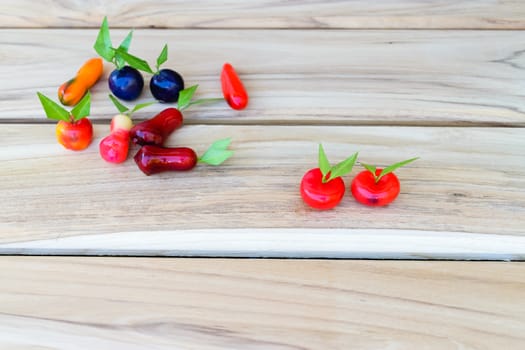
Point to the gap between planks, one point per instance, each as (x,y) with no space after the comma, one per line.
(230,122)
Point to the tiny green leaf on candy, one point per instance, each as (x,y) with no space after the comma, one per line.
(217,153)
(329,173)
(393,167)
(103,44)
(52,109)
(343,167)
(185,97)
(124,45)
(82,109)
(324,164)
(163,57)
(370,168)
(134,61)
(121,108)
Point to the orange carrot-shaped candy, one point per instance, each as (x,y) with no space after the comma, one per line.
(72,91)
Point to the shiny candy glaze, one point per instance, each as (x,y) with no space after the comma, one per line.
(154,159)
(156,130)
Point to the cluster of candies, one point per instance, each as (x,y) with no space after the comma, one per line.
(75,131)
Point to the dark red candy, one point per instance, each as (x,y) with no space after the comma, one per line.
(154,159)
(156,130)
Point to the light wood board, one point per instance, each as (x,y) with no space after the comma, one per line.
(463,199)
(361,14)
(134,303)
(295,77)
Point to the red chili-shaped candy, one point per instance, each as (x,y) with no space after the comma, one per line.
(154,159)
(156,130)
(232,88)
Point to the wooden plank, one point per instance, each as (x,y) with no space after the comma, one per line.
(110,303)
(362,14)
(307,77)
(463,199)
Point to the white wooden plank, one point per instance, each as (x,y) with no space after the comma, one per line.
(284,243)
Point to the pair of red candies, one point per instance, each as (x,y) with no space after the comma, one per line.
(323,187)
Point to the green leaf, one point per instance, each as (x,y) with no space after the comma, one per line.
(163,57)
(395,166)
(103,44)
(370,168)
(121,108)
(343,167)
(82,109)
(185,97)
(124,45)
(324,164)
(52,109)
(217,153)
(215,157)
(134,61)
(141,105)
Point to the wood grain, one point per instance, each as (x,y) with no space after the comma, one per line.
(297,77)
(468,180)
(123,303)
(312,78)
(362,14)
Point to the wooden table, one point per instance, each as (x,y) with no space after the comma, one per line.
(436,79)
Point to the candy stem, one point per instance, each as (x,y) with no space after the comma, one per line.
(201,101)
(393,167)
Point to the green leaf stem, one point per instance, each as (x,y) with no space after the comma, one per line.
(52,109)
(163,56)
(393,167)
(82,109)
(134,61)
(340,169)
(103,44)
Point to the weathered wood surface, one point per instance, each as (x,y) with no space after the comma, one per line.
(468,181)
(134,303)
(360,14)
(297,77)
(311,78)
